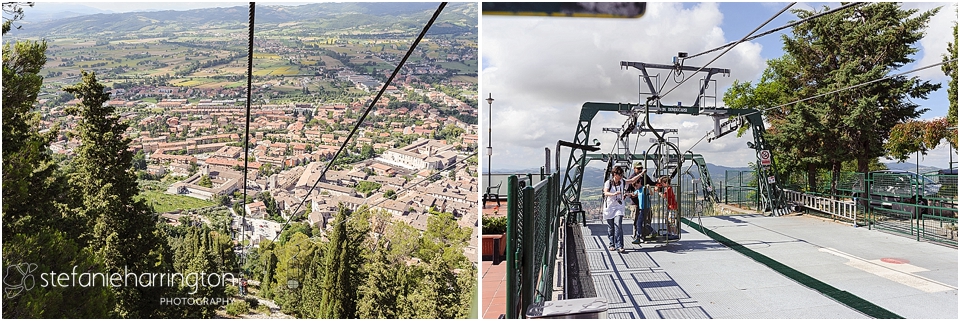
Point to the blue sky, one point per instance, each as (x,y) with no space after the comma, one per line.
(541,70)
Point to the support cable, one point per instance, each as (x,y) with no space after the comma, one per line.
(852,87)
(748,37)
(836,91)
(246,135)
(768,32)
(730,47)
(366,112)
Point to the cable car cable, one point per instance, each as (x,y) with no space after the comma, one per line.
(768,32)
(367,111)
(729,48)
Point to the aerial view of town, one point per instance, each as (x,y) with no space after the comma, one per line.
(389,231)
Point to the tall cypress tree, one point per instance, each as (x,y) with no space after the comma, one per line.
(343,262)
(383,289)
(120,228)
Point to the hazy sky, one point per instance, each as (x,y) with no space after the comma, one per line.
(129,6)
(541,70)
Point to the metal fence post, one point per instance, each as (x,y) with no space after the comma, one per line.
(527,257)
(512,251)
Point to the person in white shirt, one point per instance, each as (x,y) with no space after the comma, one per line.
(614,192)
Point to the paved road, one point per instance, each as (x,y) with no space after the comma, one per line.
(698,277)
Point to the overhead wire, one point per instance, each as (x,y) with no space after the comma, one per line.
(728,49)
(853,86)
(749,37)
(768,32)
(838,90)
(366,112)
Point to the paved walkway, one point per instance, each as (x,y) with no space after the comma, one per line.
(698,277)
(494,302)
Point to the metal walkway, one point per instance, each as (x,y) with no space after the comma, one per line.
(698,277)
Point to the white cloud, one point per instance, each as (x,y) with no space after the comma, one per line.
(542,70)
(938,33)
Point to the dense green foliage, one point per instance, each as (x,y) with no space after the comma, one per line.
(237,308)
(836,51)
(495,225)
(85,213)
(366,188)
(205,181)
(950,69)
(921,136)
(357,274)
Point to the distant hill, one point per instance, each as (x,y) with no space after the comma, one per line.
(593,177)
(911,167)
(456,18)
(45,11)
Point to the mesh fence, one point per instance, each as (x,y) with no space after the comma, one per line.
(515,248)
(544,244)
(533,243)
(919,206)
(740,188)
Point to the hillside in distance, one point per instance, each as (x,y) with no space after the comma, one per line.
(457,18)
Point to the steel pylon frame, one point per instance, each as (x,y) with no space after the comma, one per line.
(771,193)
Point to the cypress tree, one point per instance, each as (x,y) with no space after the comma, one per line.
(342,266)
(120,228)
(32,216)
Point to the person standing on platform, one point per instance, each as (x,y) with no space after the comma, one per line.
(614,191)
(641,198)
(666,191)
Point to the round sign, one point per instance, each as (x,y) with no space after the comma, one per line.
(764,154)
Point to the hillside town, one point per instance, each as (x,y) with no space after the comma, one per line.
(409,160)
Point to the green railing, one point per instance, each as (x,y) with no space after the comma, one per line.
(533,223)
(692,200)
(740,188)
(912,205)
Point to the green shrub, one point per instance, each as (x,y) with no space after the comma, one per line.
(251,301)
(236,308)
(263,309)
(494,225)
(231,290)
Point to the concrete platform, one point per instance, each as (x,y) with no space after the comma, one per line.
(697,277)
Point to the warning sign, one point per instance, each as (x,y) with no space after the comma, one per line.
(765,157)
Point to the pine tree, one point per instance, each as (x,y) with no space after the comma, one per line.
(120,228)
(27,168)
(950,69)
(833,52)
